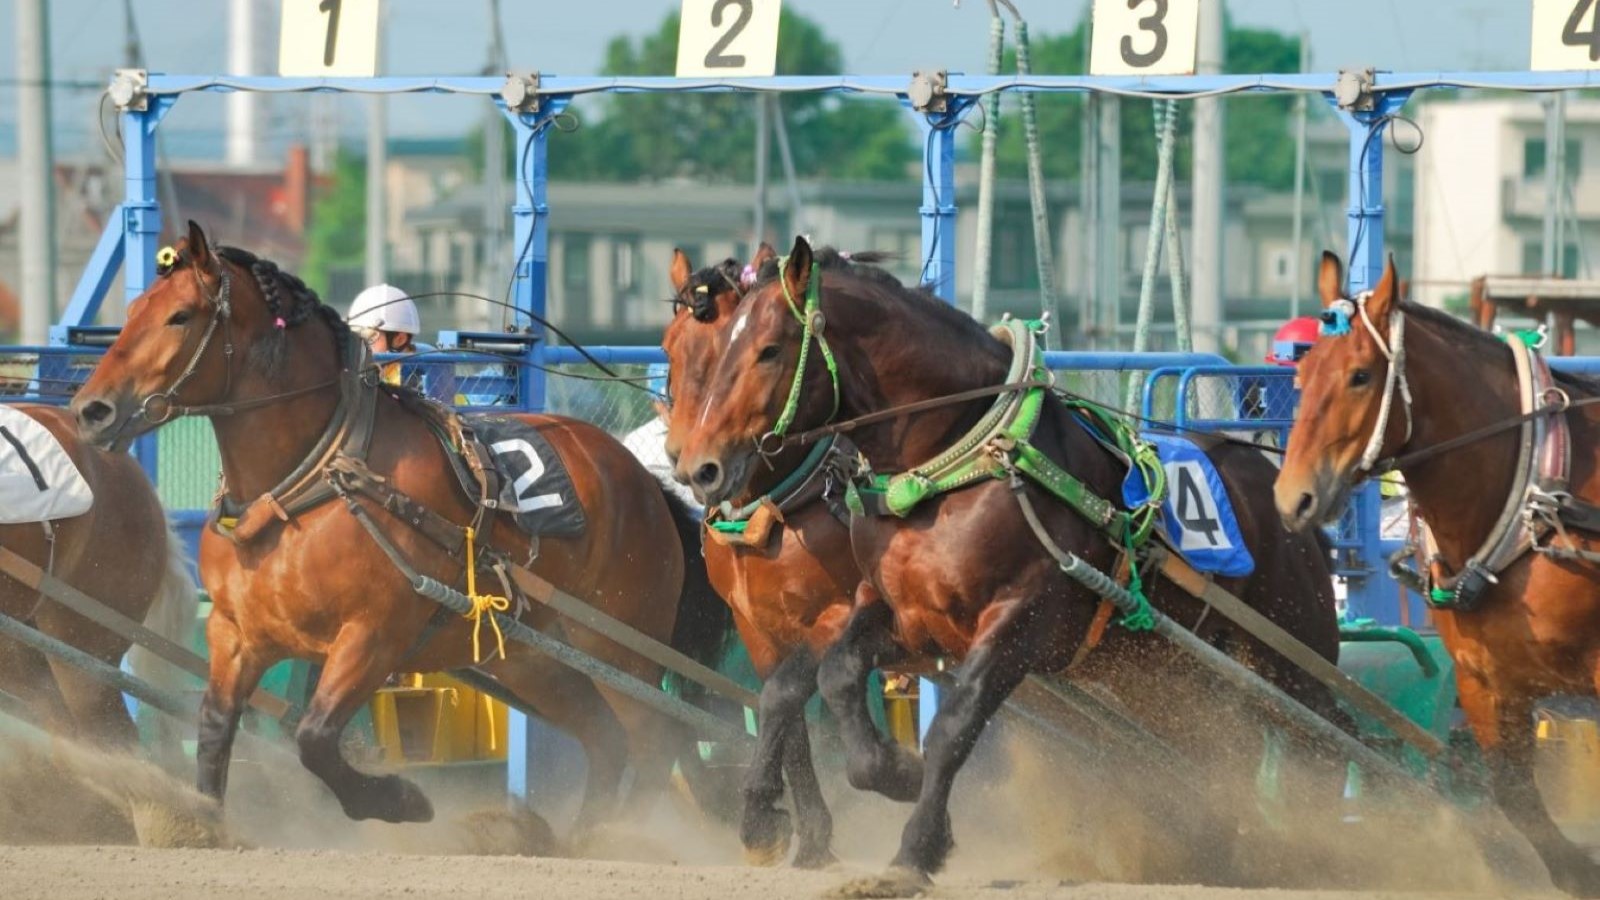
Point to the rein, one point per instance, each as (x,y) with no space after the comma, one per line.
(1487,431)
(906,409)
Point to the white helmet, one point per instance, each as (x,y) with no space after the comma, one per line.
(384,307)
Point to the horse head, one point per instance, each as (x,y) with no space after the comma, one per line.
(1350,381)
(758,388)
(202,336)
(692,341)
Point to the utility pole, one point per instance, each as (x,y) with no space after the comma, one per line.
(494,164)
(377,269)
(1555,140)
(1298,254)
(780,130)
(763,130)
(36,168)
(1206,267)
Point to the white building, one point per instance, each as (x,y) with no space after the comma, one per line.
(1480,193)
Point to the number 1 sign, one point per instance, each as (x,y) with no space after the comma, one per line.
(1566,34)
(327,38)
(1144,37)
(724,38)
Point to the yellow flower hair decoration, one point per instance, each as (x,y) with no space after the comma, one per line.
(166,258)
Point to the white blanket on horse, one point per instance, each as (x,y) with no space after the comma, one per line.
(648,445)
(38,480)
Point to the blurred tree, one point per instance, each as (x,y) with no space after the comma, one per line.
(711,137)
(337,234)
(1260,149)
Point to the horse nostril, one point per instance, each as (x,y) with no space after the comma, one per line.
(95,412)
(708,475)
(1302,510)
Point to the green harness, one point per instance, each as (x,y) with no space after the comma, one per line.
(999,447)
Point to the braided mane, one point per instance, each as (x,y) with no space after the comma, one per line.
(290,301)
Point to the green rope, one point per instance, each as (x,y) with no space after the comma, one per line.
(1141,618)
(1438,596)
(811,313)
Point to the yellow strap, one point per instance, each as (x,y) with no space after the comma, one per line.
(482,604)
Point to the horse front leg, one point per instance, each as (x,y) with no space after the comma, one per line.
(875,762)
(999,661)
(1503,724)
(356,666)
(234,675)
(764,829)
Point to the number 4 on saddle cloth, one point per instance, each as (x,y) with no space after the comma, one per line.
(1198,515)
(38,480)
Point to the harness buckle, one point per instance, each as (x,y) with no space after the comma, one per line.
(1558,398)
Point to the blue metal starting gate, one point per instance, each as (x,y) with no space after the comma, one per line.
(1265,398)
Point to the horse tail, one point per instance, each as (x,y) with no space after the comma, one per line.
(172,615)
(703,632)
(704,622)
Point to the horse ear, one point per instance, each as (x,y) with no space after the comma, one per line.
(797,271)
(1330,278)
(1386,293)
(764,254)
(681,270)
(199,246)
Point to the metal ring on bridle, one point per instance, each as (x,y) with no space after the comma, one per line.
(769,444)
(162,402)
(1562,399)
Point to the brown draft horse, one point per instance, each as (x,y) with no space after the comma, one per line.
(225,328)
(1536,631)
(790,594)
(963,575)
(120,552)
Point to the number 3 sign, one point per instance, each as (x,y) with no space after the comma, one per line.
(724,38)
(1144,37)
(1566,34)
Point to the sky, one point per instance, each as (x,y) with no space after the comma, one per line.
(437,37)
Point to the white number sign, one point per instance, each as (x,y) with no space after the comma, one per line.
(724,38)
(1195,508)
(1144,37)
(534,472)
(1566,34)
(328,38)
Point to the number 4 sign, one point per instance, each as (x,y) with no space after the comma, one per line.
(724,38)
(1566,35)
(1144,37)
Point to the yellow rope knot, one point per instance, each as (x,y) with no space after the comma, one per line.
(483,605)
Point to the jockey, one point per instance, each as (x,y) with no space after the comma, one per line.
(386,318)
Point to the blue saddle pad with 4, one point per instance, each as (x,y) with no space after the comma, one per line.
(1198,514)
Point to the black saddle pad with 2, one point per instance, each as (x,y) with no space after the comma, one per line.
(534,484)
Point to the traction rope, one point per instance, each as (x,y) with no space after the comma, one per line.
(483,605)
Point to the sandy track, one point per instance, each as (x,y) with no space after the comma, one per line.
(128,873)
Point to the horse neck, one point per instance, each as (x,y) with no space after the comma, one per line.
(1452,396)
(262,445)
(893,352)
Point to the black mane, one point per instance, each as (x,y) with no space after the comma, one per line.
(289,301)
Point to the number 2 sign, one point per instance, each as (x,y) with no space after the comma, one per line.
(328,38)
(724,38)
(1566,34)
(1144,37)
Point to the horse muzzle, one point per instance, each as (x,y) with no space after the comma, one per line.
(107,422)
(715,480)
(1303,502)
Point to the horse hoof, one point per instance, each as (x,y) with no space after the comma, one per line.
(391,799)
(766,835)
(815,859)
(896,882)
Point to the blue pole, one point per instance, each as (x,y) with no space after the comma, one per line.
(939,198)
(531,236)
(1373,593)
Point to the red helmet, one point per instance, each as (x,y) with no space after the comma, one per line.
(1293,339)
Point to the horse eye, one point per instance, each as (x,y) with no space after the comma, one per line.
(1360,377)
(181,317)
(768,353)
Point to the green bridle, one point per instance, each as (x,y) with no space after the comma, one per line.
(812,322)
